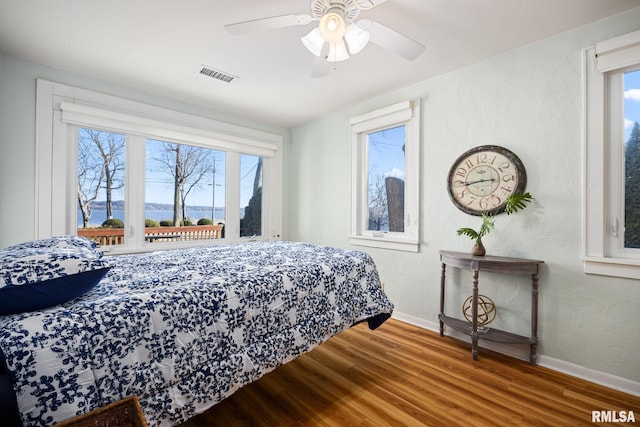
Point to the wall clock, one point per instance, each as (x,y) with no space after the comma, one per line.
(482,178)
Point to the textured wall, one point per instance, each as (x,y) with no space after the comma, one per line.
(530,101)
(17,136)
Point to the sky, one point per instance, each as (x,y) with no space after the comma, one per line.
(385,152)
(159,182)
(631,101)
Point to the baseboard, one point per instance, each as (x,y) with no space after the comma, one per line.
(520,352)
(602,378)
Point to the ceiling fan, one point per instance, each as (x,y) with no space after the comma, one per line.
(337,34)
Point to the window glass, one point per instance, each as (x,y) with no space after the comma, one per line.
(184,186)
(386,174)
(632,159)
(101,185)
(250,195)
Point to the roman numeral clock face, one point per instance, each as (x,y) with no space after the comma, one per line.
(481,179)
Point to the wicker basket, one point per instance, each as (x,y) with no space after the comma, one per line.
(123,413)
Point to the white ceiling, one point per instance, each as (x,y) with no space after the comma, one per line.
(159,46)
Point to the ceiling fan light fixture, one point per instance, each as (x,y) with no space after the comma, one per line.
(337,35)
(313,41)
(332,27)
(337,52)
(356,38)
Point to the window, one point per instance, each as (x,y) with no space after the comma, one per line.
(385,177)
(612,158)
(135,177)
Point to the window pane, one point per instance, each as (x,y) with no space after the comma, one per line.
(250,195)
(386,172)
(632,159)
(184,186)
(101,158)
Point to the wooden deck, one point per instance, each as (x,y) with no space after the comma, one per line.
(115,236)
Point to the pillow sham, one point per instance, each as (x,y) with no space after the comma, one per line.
(70,241)
(41,274)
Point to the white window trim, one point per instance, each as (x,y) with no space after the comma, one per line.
(100,118)
(403,113)
(599,256)
(60,109)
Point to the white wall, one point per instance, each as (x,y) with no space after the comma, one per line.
(528,100)
(17,136)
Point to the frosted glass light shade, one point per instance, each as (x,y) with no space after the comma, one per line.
(332,27)
(356,38)
(313,41)
(337,52)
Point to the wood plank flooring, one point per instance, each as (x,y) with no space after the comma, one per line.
(402,375)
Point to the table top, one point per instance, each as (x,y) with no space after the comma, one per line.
(499,264)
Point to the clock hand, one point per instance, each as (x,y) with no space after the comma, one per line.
(480,180)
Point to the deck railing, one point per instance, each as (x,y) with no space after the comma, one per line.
(115,236)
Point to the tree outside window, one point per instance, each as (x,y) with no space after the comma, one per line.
(101,161)
(250,196)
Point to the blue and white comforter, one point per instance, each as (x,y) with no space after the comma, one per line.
(183,329)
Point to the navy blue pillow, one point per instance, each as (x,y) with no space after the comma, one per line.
(36,296)
(43,273)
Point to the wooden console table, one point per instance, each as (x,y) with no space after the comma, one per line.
(493,264)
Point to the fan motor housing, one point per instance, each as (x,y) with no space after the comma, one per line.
(350,9)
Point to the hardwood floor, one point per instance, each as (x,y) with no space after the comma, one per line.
(402,375)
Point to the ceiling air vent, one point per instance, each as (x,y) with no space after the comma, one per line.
(217,74)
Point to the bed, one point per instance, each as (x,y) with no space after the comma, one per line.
(180,329)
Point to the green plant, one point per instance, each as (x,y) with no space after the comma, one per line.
(186,223)
(151,223)
(166,223)
(205,221)
(488,223)
(514,203)
(113,223)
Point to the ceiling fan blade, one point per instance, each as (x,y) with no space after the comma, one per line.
(391,39)
(369,4)
(271,23)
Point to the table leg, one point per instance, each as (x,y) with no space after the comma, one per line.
(442,281)
(474,315)
(534,319)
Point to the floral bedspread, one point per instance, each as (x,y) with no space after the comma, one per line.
(183,329)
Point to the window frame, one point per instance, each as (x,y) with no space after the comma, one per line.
(603,186)
(61,109)
(405,113)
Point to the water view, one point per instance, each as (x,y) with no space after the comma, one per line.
(98,216)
